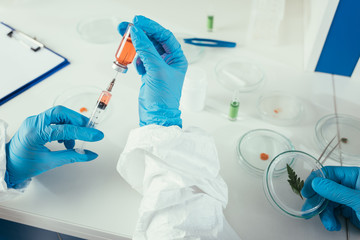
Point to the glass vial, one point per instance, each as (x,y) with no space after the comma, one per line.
(210,23)
(125,53)
(234,106)
(210,15)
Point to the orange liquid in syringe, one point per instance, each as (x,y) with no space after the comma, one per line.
(126,52)
(104,99)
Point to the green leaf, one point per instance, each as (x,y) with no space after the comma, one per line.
(295,182)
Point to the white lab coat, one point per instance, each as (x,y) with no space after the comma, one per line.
(5,193)
(177,172)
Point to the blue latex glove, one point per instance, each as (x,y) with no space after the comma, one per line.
(26,155)
(342,188)
(162,65)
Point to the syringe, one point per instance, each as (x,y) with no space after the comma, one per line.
(101,105)
(123,57)
(99,109)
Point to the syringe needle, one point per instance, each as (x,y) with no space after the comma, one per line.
(111,85)
(116,74)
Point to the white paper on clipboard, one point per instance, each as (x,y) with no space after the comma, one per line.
(21,67)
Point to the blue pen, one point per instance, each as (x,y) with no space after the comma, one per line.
(205,42)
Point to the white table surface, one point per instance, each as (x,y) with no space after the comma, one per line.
(91,200)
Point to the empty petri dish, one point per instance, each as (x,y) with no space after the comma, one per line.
(279,192)
(280,108)
(99,29)
(349,128)
(192,53)
(258,147)
(239,75)
(82,100)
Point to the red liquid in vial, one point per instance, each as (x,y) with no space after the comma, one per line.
(126,51)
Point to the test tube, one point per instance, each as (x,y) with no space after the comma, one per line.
(234,106)
(210,16)
(210,22)
(125,53)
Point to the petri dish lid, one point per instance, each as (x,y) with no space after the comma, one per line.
(280,108)
(349,128)
(192,53)
(99,29)
(279,192)
(259,144)
(239,75)
(82,100)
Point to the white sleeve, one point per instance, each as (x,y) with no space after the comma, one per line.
(5,192)
(177,171)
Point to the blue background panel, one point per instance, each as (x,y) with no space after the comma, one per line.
(341,50)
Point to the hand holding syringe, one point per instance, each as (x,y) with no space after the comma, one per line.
(124,56)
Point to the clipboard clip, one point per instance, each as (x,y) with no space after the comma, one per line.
(26,40)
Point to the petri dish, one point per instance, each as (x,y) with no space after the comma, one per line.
(280,108)
(349,128)
(82,100)
(254,144)
(99,29)
(279,192)
(192,53)
(239,75)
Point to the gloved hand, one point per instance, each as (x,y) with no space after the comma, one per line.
(342,188)
(26,155)
(162,65)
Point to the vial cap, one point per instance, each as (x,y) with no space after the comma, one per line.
(120,68)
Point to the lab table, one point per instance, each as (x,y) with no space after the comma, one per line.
(91,200)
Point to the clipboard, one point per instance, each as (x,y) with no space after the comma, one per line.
(24,62)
